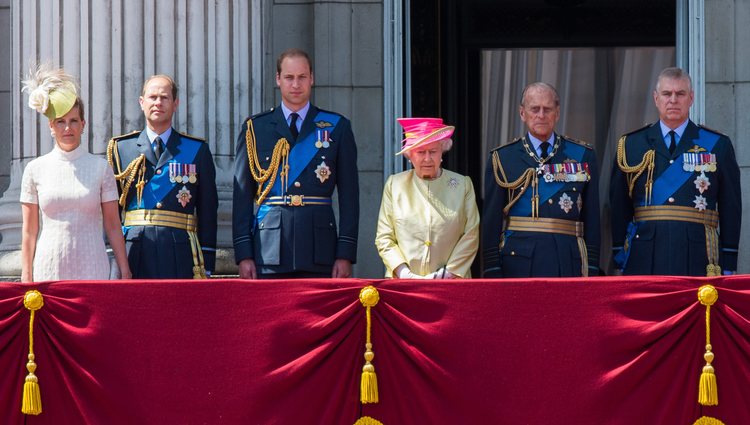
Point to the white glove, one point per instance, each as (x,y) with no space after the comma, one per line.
(404,272)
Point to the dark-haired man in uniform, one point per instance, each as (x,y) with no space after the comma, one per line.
(167,182)
(675,192)
(288,162)
(541,201)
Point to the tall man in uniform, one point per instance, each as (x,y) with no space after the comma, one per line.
(675,192)
(288,162)
(167,182)
(541,199)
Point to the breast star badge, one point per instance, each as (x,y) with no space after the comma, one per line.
(184,196)
(702,183)
(566,204)
(323,172)
(700,203)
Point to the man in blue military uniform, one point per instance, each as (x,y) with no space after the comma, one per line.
(167,182)
(287,164)
(675,192)
(541,199)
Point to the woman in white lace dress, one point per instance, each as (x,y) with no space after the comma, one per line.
(68,196)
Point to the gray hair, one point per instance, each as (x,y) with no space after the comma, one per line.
(674,73)
(541,87)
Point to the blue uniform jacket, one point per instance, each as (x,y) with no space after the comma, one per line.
(536,254)
(157,252)
(677,247)
(301,238)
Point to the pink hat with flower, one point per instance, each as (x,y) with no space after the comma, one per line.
(423,131)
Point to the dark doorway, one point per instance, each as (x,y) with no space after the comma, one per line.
(452,41)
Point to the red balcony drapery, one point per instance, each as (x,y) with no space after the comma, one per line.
(538,351)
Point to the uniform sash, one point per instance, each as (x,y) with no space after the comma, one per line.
(669,182)
(158,185)
(522,208)
(299,157)
(674,176)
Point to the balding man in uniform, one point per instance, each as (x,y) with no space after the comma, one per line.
(167,182)
(541,201)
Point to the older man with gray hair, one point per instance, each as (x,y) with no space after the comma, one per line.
(541,198)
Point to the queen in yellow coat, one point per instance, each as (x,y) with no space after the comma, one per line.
(428,226)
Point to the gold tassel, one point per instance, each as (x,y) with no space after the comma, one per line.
(32,397)
(366,420)
(707,420)
(708,394)
(368,387)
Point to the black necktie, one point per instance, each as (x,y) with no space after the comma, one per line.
(672,142)
(293,125)
(157,147)
(545,149)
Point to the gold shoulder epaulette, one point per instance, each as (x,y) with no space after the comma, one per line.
(190,136)
(711,130)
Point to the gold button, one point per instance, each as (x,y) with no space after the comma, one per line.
(158,205)
(550,201)
(671,199)
(637,236)
(574,189)
(322,157)
(296,184)
(513,253)
(158,171)
(428,243)
(267,158)
(671,161)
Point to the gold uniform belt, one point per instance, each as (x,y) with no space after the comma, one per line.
(187,222)
(546,225)
(708,218)
(676,213)
(297,200)
(553,225)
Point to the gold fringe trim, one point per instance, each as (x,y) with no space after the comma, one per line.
(31,403)
(366,420)
(707,420)
(707,389)
(368,387)
(633,172)
(279,159)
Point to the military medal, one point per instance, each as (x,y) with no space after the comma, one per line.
(177,172)
(702,183)
(566,204)
(184,196)
(322,172)
(172,171)
(318,142)
(192,174)
(700,203)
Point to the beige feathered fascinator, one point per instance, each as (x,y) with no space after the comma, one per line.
(52,91)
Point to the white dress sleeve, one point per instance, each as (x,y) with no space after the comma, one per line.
(109,186)
(29,194)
